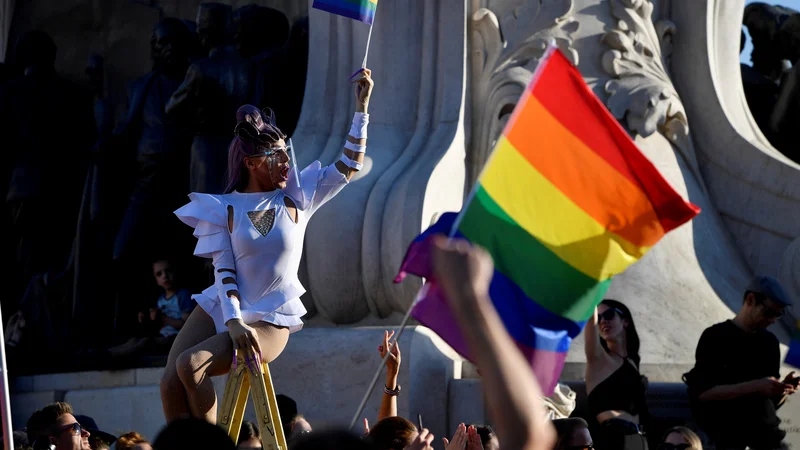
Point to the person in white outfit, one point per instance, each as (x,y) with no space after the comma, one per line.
(254,235)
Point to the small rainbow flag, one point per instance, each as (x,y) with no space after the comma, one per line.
(793,357)
(363,10)
(565,202)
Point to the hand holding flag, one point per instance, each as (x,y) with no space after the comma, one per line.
(363,89)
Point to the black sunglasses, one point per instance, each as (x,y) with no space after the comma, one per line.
(609,314)
(769,312)
(43,442)
(580,447)
(666,446)
(75,427)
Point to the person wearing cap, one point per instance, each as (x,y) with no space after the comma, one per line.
(735,387)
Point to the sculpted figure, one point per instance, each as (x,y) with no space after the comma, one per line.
(205,104)
(137,180)
(48,129)
(785,115)
(280,54)
(103,114)
(157,183)
(761,79)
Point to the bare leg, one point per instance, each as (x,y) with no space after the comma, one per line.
(213,357)
(197,329)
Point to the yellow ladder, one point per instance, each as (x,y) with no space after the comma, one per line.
(234,402)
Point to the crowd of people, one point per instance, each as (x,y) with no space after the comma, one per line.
(250,222)
(734,387)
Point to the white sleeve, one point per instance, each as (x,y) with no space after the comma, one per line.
(225,279)
(330,183)
(208,215)
(317,186)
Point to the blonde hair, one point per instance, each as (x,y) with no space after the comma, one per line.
(128,440)
(688,435)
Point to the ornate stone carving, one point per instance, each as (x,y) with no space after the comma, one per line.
(641,90)
(505,52)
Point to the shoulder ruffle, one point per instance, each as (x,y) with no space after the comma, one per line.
(303,196)
(208,215)
(206,207)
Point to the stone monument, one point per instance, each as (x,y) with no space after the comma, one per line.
(668,70)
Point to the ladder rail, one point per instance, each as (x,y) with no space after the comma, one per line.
(239,385)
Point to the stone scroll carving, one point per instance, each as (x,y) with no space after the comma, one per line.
(641,91)
(505,53)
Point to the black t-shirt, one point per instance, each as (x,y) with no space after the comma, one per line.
(726,354)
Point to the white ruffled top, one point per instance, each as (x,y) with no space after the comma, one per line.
(265,243)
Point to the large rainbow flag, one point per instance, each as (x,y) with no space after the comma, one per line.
(793,357)
(363,10)
(565,202)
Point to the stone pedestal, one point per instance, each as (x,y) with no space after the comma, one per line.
(326,370)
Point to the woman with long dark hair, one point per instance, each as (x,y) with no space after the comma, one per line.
(615,387)
(254,235)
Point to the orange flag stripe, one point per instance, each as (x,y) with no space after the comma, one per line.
(606,195)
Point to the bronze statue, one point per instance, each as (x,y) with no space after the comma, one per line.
(786,113)
(207,100)
(760,79)
(48,129)
(159,157)
(770,89)
(262,35)
(138,179)
(297,67)
(103,114)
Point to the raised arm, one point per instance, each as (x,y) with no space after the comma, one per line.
(594,350)
(391,389)
(356,146)
(512,392)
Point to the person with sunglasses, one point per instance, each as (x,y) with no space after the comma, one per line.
(735,387)
(616,389)
(54,427)
(680,438)
(253,233)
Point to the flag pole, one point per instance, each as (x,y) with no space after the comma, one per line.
(423,290)
(369,39)
(294,160)
(5,398)
(399,333)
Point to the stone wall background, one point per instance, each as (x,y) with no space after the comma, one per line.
(119,30)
